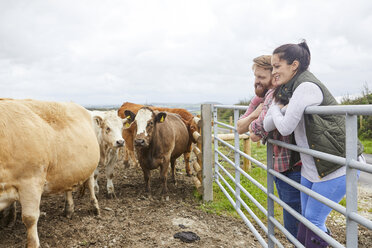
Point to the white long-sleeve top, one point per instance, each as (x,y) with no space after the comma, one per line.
(306,94)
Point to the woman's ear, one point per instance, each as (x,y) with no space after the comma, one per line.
(295,65)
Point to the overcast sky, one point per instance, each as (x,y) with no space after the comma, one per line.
(109,52)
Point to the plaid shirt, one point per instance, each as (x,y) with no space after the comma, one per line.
(255,101)
(282,155)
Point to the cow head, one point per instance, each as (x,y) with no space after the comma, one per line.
(146,121)
(193,127)
(109,129)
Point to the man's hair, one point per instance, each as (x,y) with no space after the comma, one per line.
(263,61)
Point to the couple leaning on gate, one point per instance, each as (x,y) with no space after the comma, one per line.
(284,88)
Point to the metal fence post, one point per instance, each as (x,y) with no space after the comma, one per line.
(237,159)
(206,112)
(215,132)
(270,190)
(351,180)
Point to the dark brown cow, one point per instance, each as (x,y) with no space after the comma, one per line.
(159,139)
(128,132)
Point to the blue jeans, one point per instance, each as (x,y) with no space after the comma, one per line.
(290,196)
(315,211)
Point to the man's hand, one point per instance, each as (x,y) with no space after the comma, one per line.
(243,124)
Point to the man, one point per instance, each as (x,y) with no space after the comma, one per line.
(262,72)
(285,161)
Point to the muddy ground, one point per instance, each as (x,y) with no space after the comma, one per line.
(132,220)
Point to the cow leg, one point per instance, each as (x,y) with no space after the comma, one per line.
(127,154)
(93,198)
(109,175)
(69,204)
(96,186)
(29,198)
(173,167)
(186,156)
(163,178)
(130,148)
(133,159)
(146,175)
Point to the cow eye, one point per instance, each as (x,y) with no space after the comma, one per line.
(108,129)
(151,123)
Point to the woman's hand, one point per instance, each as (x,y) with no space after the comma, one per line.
(282,106)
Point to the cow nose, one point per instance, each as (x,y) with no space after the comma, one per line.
(140,142)
(120,142)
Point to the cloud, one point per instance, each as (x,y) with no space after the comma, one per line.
(95,52)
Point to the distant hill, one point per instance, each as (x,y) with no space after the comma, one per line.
(101,107)
(193,108)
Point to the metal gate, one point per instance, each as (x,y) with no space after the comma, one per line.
(214,171)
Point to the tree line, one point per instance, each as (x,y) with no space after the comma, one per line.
(365,125)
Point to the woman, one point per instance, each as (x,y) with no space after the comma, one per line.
(300,88)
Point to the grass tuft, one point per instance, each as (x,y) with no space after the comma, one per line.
(367,146)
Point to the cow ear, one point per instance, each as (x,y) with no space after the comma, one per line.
(129,115)
(160,117)
(97,120)
(126,123)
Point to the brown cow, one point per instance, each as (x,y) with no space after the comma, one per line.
(160,138)
(128,132)
(46,147)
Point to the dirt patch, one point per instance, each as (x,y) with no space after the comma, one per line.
(336,222)
(133,220)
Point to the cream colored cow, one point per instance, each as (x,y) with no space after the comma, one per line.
(108,128)
(45,147)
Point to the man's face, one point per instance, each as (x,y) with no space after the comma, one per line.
(262,82)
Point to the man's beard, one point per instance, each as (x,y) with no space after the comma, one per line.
(260,90)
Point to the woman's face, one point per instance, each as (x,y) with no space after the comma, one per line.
(282,72)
